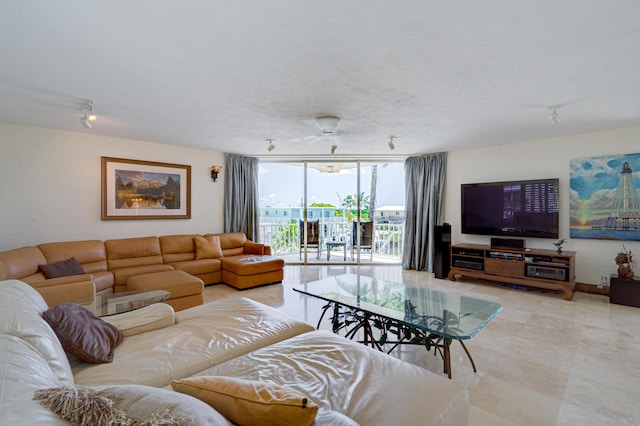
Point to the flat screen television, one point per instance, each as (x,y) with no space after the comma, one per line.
(527,208)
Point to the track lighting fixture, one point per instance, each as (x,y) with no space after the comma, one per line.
(85,122)
(553,117)
(271,146)
(392,146)
(333,147)
(89,115)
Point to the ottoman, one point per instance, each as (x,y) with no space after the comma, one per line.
(186,290)
(247,271)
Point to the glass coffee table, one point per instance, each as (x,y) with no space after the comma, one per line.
(118,303)
(393,313)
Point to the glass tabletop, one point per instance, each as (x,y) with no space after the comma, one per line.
(118,303)
(446,314)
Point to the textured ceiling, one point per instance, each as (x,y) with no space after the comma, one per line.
(438,75)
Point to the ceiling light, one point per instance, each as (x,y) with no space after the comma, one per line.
(333,147)
(553,117)
(85,122)
(271,145)
(392,146)
(328,124)
(92,114)
(88,116)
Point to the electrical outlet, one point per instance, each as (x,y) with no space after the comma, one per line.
(603,282)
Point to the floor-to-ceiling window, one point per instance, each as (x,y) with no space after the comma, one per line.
(353,211)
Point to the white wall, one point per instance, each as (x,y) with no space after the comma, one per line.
(543,159)
(51,187)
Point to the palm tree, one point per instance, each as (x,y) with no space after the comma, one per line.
(350,204)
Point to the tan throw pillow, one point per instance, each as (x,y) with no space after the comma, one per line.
(250,402)
(82,333)
(127,405)
(207,247)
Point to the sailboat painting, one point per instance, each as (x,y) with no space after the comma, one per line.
(605,197)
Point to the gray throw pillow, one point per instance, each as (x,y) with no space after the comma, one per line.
(65,268)
(82,333)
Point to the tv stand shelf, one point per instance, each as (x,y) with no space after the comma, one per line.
(534,268)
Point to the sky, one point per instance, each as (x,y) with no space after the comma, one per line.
(281,185)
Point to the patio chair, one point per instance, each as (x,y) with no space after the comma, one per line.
(366,238)
(314,239)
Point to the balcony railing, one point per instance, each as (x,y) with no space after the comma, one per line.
(284,238)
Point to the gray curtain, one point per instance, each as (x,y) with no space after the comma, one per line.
(241,195)
(424,190)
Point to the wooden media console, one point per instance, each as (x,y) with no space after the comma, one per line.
(538,268)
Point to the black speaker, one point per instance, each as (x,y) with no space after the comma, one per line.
(507,244)
(442,243)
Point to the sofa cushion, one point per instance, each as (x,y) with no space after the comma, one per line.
(177,248)
(336,373)
(23,370)
(207,247)
(64,268)
(178,283)
(103,281)
(232,243)
(20,315)
(121,276)
(198,267)
(253,248)
(252,264)
(90,254)
(243,401)
(22,262)
(63,289)
(127,404)
(333,418)
(131,252)
(82,333)
(203,336)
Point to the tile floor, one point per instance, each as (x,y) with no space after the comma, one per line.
(541,361)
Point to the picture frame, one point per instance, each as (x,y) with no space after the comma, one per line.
(605,197)
(142,190)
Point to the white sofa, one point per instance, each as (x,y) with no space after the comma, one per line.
(231,337)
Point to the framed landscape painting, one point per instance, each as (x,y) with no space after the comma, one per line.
(134,189)
(605,197)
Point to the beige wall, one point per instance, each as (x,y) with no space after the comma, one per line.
(51,187)
(543,159)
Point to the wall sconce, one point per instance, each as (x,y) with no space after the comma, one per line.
(214,172)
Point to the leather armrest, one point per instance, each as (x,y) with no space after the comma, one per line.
(66,289)
(253,248)
(267,250)
(152,317)
(62,280)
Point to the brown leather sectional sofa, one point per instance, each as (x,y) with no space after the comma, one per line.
(108,265)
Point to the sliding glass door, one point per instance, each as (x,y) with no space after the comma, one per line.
(345,212)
